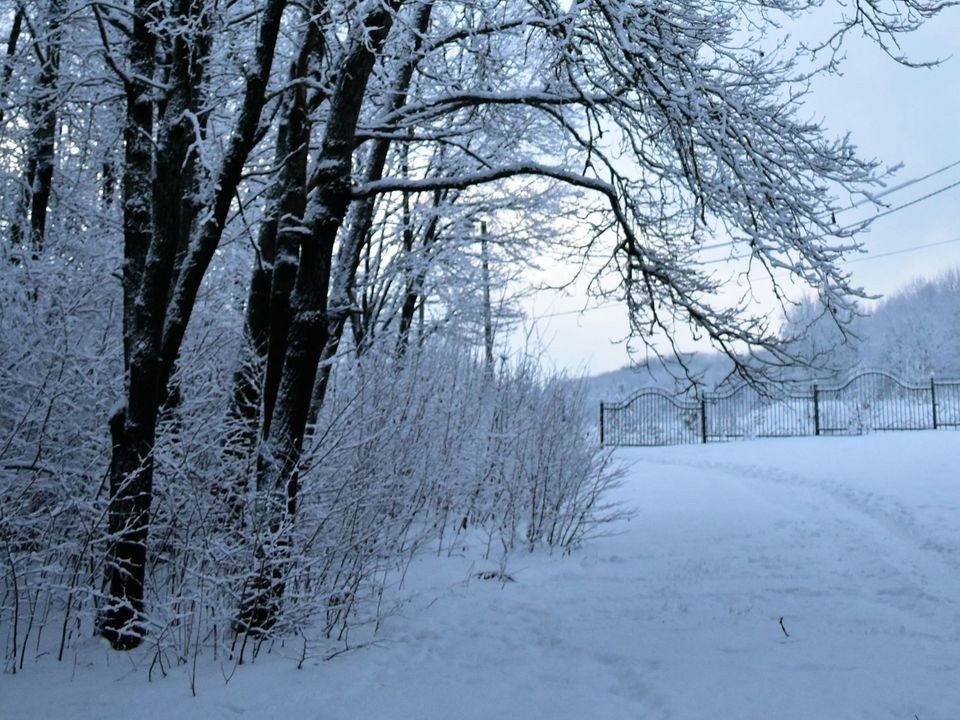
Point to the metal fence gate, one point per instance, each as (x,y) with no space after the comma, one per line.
(870,400)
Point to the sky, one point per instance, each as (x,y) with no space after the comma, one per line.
(895,114)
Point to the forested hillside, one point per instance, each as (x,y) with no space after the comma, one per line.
(915,333)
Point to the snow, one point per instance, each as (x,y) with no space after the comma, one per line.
(853,541)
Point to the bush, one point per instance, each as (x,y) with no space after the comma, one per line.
(432,451)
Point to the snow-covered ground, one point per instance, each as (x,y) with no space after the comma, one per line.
(854,542)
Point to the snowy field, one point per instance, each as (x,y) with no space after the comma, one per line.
(854,542)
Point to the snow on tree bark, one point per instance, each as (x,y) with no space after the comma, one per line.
(280,450)
(133,428)
(158,210)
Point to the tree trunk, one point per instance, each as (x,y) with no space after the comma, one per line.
(133,428)
(361,219)
(38,174)
(416,279)
(267,311)
(289,237)
(246,396)
(157,305)
(280,451)
(15,29)
(206,237)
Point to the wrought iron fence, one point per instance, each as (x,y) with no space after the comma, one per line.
(870,400)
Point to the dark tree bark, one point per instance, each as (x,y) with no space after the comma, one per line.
(159,287)
(267,310)
(246,396)
(416,279)
(189,56)
(176,183)
(132,469)
(307,334)
(41,154)
(206,237)
(291,231)
(132,429)
(16,27)
(361,217)
(108,181)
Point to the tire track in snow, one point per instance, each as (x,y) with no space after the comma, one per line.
(923,580)
(878,509)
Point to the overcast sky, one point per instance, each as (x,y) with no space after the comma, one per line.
(895,114)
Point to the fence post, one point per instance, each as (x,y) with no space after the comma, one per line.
(703,419)
(933,400)
(601,423)
(816,410)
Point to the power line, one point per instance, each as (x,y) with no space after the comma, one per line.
(878,256)
(905,205)
(910,249)
(905,250)
(890,211)
(885,213)
(901,186)
(573,312)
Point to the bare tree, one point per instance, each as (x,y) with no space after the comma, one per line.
(168,244)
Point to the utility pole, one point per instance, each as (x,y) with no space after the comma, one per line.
(487,315)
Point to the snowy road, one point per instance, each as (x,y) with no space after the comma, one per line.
(854,542)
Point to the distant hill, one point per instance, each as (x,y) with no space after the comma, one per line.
(618,385)
(914,333)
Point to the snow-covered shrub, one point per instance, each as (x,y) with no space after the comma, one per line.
(433,450)
(547,476)
(437,451)
(59,371)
